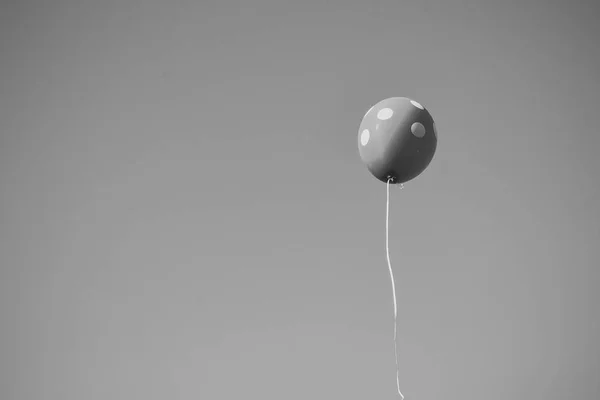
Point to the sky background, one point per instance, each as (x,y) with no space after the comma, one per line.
(184,213)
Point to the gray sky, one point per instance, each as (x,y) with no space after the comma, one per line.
(184,214)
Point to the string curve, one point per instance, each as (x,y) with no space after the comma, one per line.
(387,251)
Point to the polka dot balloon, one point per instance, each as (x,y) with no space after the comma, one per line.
(397,139)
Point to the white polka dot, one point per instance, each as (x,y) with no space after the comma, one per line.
(364,137)
(418,129)
(419,106)
(385,113)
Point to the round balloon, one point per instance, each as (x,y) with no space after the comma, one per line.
(397,139)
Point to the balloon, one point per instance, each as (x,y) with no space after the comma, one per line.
(397,139)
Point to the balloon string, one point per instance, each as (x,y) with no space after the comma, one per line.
(387,250)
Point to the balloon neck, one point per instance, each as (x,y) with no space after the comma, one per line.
(392,179)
